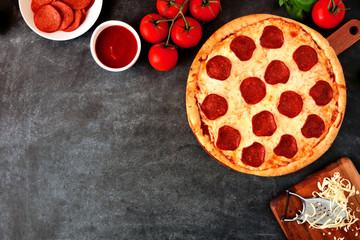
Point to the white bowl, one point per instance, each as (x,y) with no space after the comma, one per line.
(96,33)
(91,16)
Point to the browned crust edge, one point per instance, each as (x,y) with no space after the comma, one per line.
(194,115)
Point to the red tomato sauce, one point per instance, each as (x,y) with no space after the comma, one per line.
(116,46)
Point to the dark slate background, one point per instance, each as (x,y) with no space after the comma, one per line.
(89,154)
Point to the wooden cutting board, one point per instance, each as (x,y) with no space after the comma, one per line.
(293,230)
(345,36)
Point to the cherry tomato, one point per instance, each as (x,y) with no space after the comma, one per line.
(153,31)
(328,13)
(170,8)
(186,35)
(204,10)
(163,58)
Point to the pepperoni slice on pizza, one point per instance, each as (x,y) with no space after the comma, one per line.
(266,95)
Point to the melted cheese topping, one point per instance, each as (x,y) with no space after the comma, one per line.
(239,114)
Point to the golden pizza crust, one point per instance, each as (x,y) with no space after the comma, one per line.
(194,114)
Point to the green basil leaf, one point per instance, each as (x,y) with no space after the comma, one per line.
(295,13)
(305,5)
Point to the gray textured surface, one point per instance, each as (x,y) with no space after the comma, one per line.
(88,154)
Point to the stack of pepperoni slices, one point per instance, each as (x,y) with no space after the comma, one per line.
(64,15)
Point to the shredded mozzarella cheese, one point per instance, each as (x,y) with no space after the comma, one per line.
(338,190)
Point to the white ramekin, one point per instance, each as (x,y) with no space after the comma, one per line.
(96,33)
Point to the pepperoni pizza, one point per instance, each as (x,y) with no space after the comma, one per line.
(266,95)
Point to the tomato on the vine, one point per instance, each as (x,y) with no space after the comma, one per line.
(204,10)
(186,35)
(163,57)
(152,30)
(170,8)
(328,13)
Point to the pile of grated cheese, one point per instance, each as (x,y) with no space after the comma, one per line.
(337,190)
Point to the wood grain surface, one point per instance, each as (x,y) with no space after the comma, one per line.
(293,230)
(345,36)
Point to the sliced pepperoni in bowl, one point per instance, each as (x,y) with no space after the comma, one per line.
(77,4)
(90,5)
(47,19)
(76,23)
(28,9)
(35,6)
(66,12)
(42,2)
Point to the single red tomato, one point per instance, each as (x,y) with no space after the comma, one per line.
(170,8)
(186,35)
(152,30)
(204,10)
(163,58)
(328,13)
